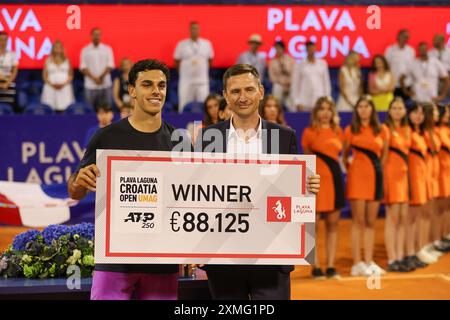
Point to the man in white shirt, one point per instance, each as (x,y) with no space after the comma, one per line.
(425,73)
(96,64)
(310,80)
(8,72)
(442,53)
(193,58)
(400,57)
(253,57)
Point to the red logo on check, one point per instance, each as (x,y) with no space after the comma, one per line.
(278,209)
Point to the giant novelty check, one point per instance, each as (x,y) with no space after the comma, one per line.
(164,207)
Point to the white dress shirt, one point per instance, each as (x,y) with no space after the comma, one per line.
(96,59)
(442,55)
(237,145)
(400,60)
(194,59)
(425,76)
(310,81)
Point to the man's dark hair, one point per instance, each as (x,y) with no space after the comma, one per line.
(310,43)
(3,33)
(193,22)
(147,65)
(422,43)
(103,107)
(95,28)
(401,31)
(239,69)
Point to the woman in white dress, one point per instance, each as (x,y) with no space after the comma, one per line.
(350,83)
(58,76)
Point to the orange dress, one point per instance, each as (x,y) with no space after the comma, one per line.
(326,144)
(432,161)
(365,175)
(418,169)
(444,162)
(396,179)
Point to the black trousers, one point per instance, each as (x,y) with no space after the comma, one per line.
(248,282)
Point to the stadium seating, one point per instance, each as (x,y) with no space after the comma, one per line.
(29,88)
(22,99)
(38,109)
(6,109)
(193,107)
(79,108)
(78,89)
(172,96)
(169,107)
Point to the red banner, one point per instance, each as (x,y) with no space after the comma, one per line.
(143,31)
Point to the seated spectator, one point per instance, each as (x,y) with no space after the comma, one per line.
(8,72)
(224,110)
(126,110)
(381,83)
(270,109)
(120,85)
(350,83)
(280,71)
(253,57)
(105,116)
(58,77)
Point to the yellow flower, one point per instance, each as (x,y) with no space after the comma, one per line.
(74,258)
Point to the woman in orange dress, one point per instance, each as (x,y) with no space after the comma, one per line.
(396,186)
(444,124)
(418,178)
(429,217)
(368,142)
(443,132)
(444,154)
(324,139)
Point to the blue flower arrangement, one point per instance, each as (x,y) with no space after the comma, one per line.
(54,232)
(21,240)
(49,253)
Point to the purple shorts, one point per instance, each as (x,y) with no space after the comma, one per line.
(141,286)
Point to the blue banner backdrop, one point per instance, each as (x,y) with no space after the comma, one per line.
(46,149)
